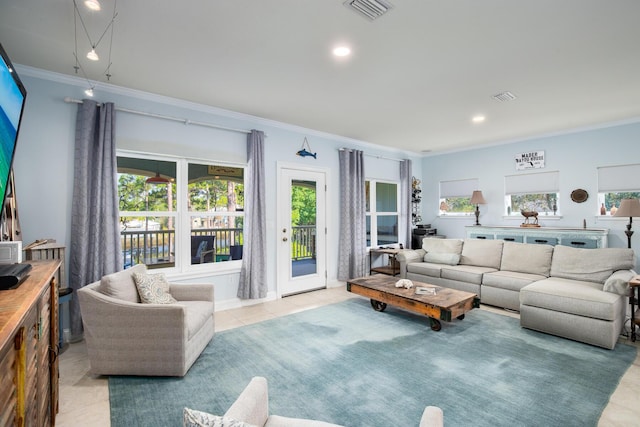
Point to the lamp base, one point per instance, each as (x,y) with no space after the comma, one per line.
(477,212)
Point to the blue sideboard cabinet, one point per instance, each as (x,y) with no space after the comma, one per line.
(588,238)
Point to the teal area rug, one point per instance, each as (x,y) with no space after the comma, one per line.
(350,365)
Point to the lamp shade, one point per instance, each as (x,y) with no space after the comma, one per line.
(477,199)
(629,208)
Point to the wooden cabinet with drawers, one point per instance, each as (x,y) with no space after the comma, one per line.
(29,349)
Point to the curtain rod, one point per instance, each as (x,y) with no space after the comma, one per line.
(161,116)
(372,155)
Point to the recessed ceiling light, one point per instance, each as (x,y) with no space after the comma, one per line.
(478,119)
(342,51)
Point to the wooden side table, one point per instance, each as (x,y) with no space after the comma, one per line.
(392,269)
(634,300)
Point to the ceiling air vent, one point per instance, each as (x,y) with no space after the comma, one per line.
(504,96)
(370,9)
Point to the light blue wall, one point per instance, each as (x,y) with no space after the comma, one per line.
(575,155)
(44,159)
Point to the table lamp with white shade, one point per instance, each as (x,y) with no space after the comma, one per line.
(477,199)
(630,208)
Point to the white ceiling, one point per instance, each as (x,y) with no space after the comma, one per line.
(416,76)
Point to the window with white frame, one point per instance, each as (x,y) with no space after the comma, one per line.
(177,213)
(382,212)
(616,183)
(455,197)
(532,192)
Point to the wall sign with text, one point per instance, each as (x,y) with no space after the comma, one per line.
(530,160)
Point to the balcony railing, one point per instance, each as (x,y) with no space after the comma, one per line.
(155,247)
(303,242)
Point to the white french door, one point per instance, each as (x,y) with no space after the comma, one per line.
(301,230)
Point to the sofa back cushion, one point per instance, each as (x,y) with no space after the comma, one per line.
(442,251)
(526,258)
(590,265)
(120,285)
(482,253)
(442,246)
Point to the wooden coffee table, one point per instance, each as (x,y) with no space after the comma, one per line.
(445,305)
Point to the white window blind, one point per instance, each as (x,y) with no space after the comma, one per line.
(532,183)
(459,188)
(613,179)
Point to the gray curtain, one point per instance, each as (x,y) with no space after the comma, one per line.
(352,245)
(95,234)
(404,222)
(253,274)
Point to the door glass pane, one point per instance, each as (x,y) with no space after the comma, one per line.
(303,228)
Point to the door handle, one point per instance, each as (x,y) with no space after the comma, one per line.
(284,239)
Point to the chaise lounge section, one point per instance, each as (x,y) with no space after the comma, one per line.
(578,294)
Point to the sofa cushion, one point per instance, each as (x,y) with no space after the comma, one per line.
(581,298)
(483,253)
(526,258)
(424,268)
(120,285)
(443,246)
(591,265)
(465,273)
(153,288)
(442,258)
(510,280)
(193,418)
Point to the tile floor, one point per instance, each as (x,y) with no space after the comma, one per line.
(84,399)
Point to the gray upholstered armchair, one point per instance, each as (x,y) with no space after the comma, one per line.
(127,337)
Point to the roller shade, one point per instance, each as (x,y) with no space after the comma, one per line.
(613,179)
(459,188)
(532,183)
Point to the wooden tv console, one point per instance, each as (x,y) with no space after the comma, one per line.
(29,349)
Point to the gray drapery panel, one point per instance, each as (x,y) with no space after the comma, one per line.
(352,246)
(95,234)
(253,274)
(405,203)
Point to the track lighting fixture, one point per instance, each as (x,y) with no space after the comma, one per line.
(92,4)
(92,55)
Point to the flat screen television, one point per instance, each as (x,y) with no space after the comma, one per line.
(12,99)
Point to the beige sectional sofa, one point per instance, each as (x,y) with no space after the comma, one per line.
(575,293)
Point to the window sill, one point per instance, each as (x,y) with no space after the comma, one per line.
(540,217)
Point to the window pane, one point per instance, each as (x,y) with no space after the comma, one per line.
(386,197)
(387,229)
(146,185)
(148,240)
(453,205)
(224,242)
(368,230)
(215,188)
(544,203)
(614,199)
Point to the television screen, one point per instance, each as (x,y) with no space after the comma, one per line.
(12,97)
